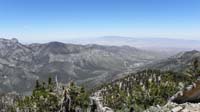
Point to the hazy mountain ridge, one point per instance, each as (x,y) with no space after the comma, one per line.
(177,63)
(21,65)
(167,46)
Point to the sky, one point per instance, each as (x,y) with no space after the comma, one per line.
(61,20)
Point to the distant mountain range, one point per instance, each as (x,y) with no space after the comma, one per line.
(168,46)
(21,65)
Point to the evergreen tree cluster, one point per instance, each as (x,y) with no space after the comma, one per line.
(141,90)
(48,98)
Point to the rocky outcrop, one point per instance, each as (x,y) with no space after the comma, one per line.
(190,94)
(173,107)
(186,100)
(97,100)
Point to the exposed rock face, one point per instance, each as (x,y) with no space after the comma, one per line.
(97,100)
(21,65)
(173,107)
(190,94)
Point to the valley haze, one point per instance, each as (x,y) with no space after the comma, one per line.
(84,61)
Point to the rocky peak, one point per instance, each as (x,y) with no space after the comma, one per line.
(9,44)
(55,44)
(8,41)
(14,40)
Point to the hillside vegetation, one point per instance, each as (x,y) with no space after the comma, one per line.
(142,90)
(147,88)
(135,92)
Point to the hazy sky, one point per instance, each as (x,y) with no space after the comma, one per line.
(47,20)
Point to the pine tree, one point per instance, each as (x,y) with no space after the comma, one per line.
(49,81)
(194,70)
(37,85)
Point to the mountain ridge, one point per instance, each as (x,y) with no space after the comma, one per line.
(22,64)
